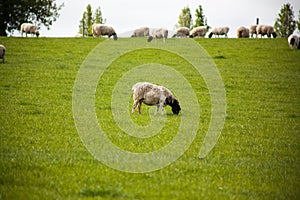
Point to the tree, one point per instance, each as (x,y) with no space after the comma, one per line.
(185,18)
(89,19)
(285,23)
(98,19)
(15,12)
(200,17)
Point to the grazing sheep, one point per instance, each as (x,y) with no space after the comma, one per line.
(253,30)
(154,95)
(158,34)
(219,31)
(182,32)
(242,32)
(265,30)
(199,31)
(140,32)
(100,30)
(293,41)
(29,28)
(2,52)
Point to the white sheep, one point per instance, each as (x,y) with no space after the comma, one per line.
(199,31)
(266,30)
(2,52)
(253,30)
(29,28)
(140,32)
(100,30)
(293,41)
(158,34)
(153,95)
(219,31)
(242,32)
(182,32)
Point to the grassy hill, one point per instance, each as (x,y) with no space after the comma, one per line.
(257,155)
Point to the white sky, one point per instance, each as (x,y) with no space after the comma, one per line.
(130,14)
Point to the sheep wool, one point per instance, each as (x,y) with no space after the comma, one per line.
(158,34)
(2,52)
(293,41)
(199,31)
(242,32)
(29,28)
(141,32)
(100,30)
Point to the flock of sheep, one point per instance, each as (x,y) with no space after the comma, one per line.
(242,32)
(103,30)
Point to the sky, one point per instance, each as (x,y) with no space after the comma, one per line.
(128,15)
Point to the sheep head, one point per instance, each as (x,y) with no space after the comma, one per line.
(171,101)
(150,38)
(115,36)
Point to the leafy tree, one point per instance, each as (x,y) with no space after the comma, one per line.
(285,23)
(89,19)
(200,17)
(15,12)
(185,18)
(98,19)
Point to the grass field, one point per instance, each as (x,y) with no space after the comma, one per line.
(257,155)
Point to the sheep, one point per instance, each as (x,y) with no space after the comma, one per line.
(253,30)
(199,31)
(182,32)
(100,30)
(153,95)
(158,34)
(140,32)
(293,41)
(242,32)
(2,52)
(266,30)
(29,28)
(219,31)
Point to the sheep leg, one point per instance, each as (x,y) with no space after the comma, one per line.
(157,108)
(162,110)
(139,106)
(161,106)
(134,106)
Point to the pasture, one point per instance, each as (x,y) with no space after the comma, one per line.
(257,155)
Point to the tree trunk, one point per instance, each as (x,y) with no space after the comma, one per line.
(2,28)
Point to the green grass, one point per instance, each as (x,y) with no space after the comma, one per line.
(256,157)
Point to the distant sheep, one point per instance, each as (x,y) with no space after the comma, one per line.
(219,31)
(158,34)
(29,28)
(242,32)
(293,41)
(266,30)
(154,95)
(253,30)
(141,32)
(100,30)
(199,31)
(182,32)
(2,52)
